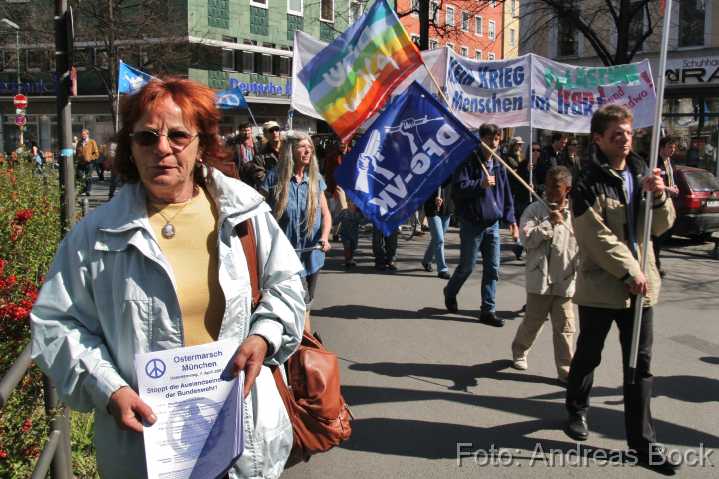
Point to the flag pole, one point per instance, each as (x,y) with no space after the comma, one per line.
(510,170)
(649,202)
(117,102)
(252,117)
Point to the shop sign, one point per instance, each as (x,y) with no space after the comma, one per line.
(38,87)
(693,71)
(262,89)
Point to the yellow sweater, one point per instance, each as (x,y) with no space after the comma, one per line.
(192,254)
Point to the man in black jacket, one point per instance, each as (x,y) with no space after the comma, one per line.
(481,201)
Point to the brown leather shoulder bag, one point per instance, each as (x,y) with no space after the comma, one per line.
(318,412)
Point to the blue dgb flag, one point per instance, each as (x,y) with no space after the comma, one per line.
(407,153)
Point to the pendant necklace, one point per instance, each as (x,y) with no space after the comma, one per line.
(168,231)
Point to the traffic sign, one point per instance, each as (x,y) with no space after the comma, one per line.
(20,100)
(19,111)
(20,120)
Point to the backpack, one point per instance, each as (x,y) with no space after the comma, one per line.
(319,414)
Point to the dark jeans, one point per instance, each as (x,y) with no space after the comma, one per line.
(310,283)
(657,243)
(594,324)
(84,174)
(384,247)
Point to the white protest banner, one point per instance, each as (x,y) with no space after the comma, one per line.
(489,92)
(564,97)
(306,47)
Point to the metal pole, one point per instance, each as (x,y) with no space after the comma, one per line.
(21,128)
(531,109)
(64,119)
(648,203)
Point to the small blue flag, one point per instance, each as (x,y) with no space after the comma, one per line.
(408,152)
(230,99)
(131,79)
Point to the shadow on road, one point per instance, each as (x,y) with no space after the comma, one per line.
(462,377)
(362,311)
(438,440)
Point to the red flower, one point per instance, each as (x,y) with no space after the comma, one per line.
(3,454)
(26,425)
(22,216)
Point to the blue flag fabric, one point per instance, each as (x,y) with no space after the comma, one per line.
(407,153)
(230,99)
(131,79)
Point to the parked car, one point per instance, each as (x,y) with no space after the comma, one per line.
(697,204)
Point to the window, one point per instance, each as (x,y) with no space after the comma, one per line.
(451,47)
(478,54)
(433,44)
(493,3)
(415,39)
(37,60)
(465,21)
(512,37)
(102,59)
(463,51)
(294,7)
(450,16)
(259,3)
(567,40)
(691,23)
(248,62)
(415,8)
(434,11)
(228,55)
(281,66)
(327,10)
(228,59)
(490,29)
(490,56)
(478,25)
(356,10)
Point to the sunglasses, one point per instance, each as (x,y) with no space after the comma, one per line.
(178,139)
(536,149)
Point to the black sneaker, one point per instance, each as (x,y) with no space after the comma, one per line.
(427,267)
(576,427)
(443,275)
(450,303)
(391,267)
(491,319)
(380,267)
(657,460)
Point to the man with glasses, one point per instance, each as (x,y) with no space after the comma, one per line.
(269,153)
(482,198)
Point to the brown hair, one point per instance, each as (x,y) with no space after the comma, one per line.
(197,103)
(607,114)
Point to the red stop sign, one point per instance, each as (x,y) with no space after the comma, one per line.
(20,100)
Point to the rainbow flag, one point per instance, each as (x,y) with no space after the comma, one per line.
(353,76)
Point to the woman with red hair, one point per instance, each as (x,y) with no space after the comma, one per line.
(161,266)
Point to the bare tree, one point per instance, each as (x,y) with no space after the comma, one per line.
(615,29)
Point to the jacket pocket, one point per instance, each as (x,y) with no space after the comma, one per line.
(616,218)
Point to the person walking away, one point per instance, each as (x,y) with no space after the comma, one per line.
(481,200)
(438,210)
(607,204)
(667,148)
(87,153)
(384,249)
(552,254)
(38,160)
(351,218)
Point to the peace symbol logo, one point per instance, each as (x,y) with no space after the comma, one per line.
(155,368)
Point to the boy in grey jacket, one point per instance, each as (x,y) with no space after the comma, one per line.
(546,231)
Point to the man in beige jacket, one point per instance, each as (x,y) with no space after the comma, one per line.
(86,153)
(547,234)
(607,204)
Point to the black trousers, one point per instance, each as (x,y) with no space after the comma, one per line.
(657,244)
(594,326)
(384,247)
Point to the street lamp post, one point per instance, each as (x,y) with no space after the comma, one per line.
(16,27)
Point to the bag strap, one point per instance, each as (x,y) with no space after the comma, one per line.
(249,245)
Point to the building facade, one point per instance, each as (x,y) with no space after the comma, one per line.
(226,43)
(691,95)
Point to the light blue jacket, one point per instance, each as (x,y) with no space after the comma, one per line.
(110,294)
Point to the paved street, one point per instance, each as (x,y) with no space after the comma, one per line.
(420,380)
